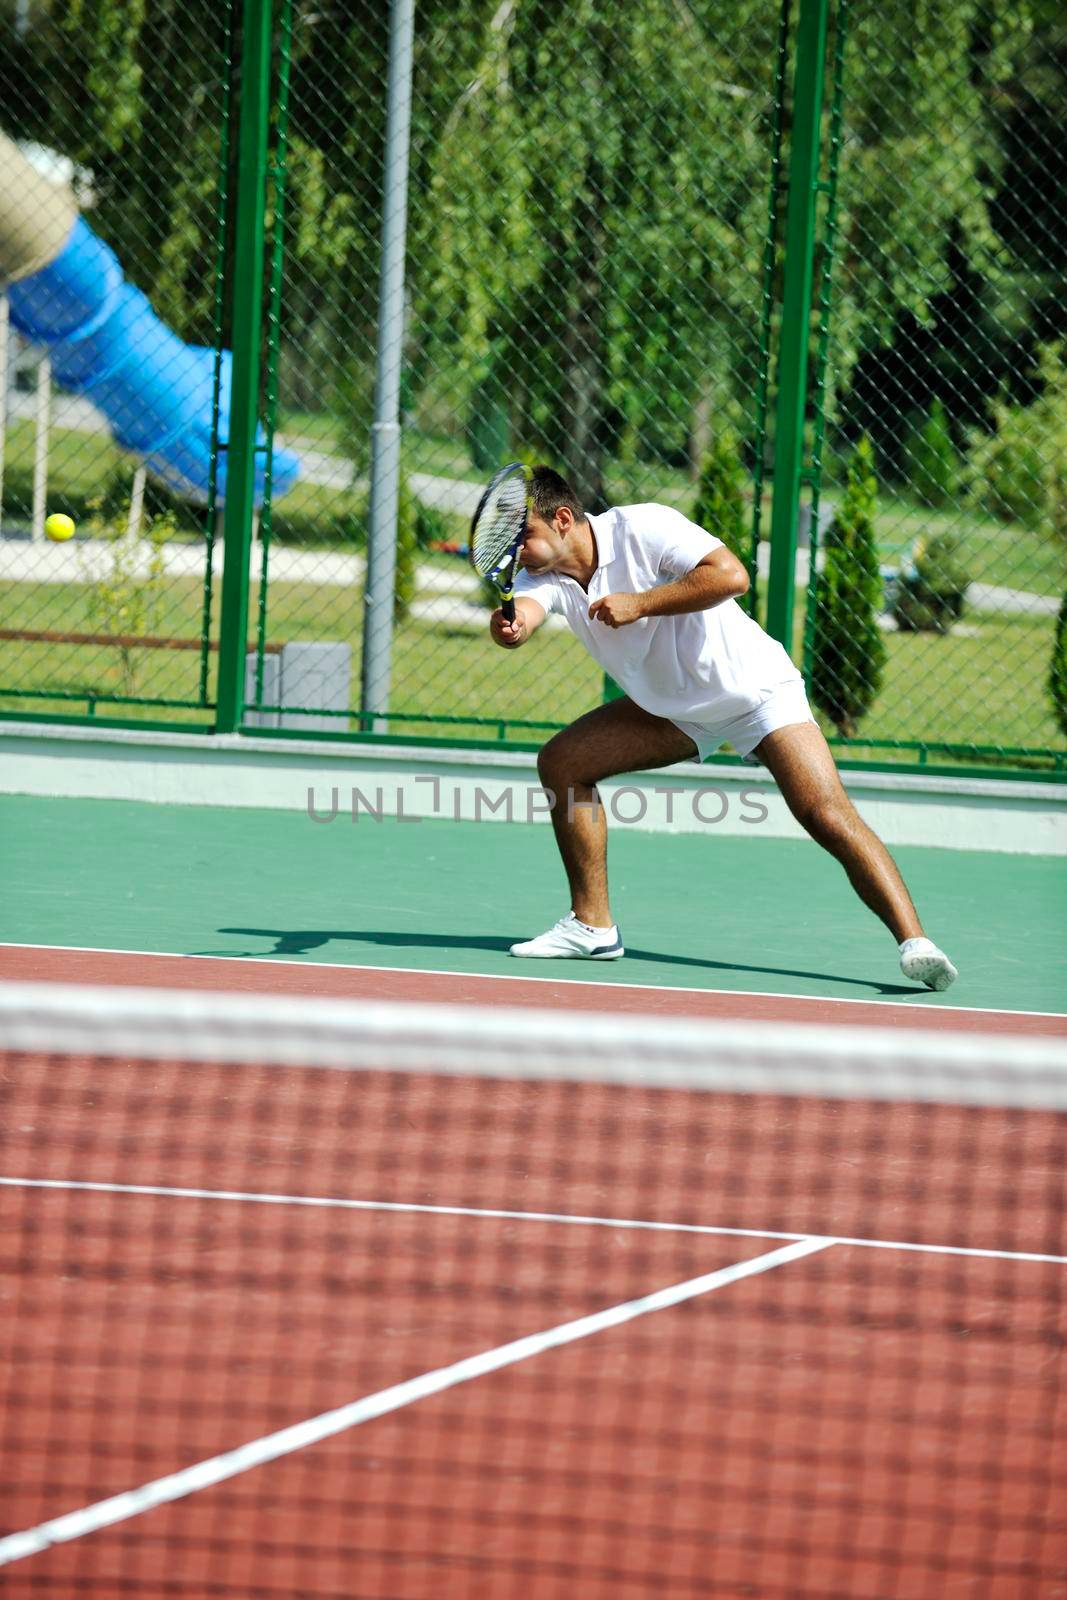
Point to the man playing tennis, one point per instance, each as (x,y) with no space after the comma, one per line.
(654,600)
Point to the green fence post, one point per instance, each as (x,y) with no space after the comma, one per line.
(244,396)
(796,314)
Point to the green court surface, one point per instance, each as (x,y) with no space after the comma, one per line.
(744,914)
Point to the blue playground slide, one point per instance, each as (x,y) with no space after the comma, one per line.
(106,342)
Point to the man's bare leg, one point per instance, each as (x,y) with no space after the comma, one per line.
(800,762)
(615,738)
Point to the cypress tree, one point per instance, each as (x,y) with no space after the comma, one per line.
(720,505)
(848,651)
(933,460)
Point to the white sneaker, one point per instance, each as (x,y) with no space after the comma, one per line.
(571,938)
(922,961)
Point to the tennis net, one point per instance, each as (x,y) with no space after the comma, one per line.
(396,1302)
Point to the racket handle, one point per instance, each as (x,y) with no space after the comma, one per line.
(507,610)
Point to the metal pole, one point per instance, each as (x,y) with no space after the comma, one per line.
(244,401)
(796,315)
(42,427)
(135,519)
(385,435)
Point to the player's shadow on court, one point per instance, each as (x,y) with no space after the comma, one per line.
(301,942)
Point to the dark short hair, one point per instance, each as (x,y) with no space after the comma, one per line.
(549,491)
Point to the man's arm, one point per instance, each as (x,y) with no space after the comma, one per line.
(717,577)
(529,615)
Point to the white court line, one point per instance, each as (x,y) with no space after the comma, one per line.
(404,1207)
(604,984)
(75,1524)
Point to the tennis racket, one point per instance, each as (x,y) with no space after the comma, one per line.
(498,529)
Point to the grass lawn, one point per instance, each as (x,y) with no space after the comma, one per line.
(82,466)
(986,689)
(989,690)
(991,552)
(437,670)
(318,428)
(984,683)
(86,469)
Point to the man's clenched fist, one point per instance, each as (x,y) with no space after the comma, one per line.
(616,610)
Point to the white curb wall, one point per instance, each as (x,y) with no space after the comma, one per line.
(340,784)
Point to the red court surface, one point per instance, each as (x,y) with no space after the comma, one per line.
(314,980)
(870,1419)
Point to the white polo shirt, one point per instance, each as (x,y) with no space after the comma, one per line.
(702,666)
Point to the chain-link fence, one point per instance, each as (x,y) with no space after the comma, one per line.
(592,274)
(116,170)
(587,215)
(944,467)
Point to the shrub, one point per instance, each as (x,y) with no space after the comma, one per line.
(720,504)
(353,403)
(1019,472)
(932,460)
(930,596)
(488,423)
(848,650)
(314,518)
(126,600)
(405,549)
(434,526)
(720,501)
(1007,470)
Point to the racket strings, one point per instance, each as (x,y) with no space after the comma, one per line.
(498,527)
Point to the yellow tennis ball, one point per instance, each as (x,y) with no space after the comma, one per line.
(59,527)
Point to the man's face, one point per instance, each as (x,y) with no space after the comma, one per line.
(543,546)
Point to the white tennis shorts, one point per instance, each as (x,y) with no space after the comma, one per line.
(786,704)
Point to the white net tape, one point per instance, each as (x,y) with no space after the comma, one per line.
(511,1042)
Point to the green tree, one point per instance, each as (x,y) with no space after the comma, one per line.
(720,505)
(932,461)
(488,428)
(720,499)
(1019,472)
(597,201)
(587,196)
(848,650)
(920,158)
